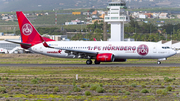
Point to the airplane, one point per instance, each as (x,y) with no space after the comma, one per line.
(101,51)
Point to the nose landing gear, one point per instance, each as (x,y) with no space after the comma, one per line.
(159,62)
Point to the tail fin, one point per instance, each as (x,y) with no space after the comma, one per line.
(29,34)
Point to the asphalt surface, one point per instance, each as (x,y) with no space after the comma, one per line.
(84,65)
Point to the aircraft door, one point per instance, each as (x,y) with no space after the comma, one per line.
(40,49)
(155,49)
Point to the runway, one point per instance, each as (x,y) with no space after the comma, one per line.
(84,65)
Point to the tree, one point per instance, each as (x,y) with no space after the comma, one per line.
(92,10)
(178,34)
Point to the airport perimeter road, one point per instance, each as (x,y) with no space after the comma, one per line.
(84,65)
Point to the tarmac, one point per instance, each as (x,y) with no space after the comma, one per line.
(93,65)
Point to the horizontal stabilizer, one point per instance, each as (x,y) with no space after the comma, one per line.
(25,44)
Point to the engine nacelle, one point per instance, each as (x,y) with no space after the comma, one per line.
(120,60)
(105,57)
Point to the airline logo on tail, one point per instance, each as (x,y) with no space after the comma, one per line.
(27,29)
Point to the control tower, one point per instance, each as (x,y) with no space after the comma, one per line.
(117,16)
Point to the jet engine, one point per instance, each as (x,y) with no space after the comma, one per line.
(105,57)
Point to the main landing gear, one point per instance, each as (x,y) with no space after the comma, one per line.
(89,62)
(159,62)
(96,62)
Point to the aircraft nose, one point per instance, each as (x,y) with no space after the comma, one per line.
(174,52)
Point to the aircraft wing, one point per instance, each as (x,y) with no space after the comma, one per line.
(82,53)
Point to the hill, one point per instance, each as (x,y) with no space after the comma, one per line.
(32,5)
(35,5)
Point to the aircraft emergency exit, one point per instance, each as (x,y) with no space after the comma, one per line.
(101,51)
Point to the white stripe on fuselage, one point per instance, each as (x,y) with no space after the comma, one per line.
(130,50)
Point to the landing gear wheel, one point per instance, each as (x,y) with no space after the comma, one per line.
(96,62)
(88,62)
(159,62)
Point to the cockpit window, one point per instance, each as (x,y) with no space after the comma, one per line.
(165,47)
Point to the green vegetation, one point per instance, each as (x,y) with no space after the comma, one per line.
(94,83)
(169,88)
(34,81)
(144,90)
(127,93)
(19,85)
(2,90)
(40,59)
(94,86)
(140,31)
(119,91)
(76,89)
(56,89)
(167,79)
(61,19)
(133,85)
(154,9)
(83,86)
(161,92)
(143,86)
(99,89)
(6,78)
(87,93)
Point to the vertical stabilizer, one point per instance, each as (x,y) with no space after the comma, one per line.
(29,34)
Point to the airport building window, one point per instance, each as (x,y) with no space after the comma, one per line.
(114,17)
(114,9)
(116,4)
(106,17)
(8,46)
(122,17)
(114,12)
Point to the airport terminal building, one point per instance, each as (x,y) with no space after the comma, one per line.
(7,47)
